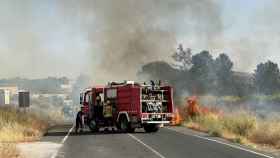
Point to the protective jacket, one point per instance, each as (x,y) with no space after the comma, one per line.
(108,110)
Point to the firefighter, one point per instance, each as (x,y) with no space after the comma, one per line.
(98,100)
(80,121)
(97,108)
(108,114)
(153,84)
(159,83)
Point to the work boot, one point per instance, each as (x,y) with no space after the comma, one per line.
(76,130)
(113,129)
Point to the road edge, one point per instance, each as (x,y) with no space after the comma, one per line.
(54,155)
(219,141)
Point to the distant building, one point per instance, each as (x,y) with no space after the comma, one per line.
(4,97)
(13,90)
(66,88)
(62,96)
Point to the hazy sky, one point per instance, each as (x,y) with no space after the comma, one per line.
(48,38)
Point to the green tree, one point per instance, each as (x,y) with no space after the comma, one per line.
(223,69)
(267,77)
(202,73)
(158,70)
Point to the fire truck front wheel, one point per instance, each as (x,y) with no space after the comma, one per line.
(124,125)
(93,126)
(151,128)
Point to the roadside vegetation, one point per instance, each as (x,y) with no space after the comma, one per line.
(9,150)
(239,126)
(16,126)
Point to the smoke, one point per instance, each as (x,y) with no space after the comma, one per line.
(254,37)
(35,42)
(111,40)
(137,32)
(126,34)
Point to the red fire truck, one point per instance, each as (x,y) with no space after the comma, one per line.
(135,105)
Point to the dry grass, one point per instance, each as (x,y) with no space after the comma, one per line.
(18,126)
(211,123)
(267,133)
(240,127)
(240,123)
(9,150)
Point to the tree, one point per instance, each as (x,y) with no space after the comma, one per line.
(223,69)
(267,77)
(158,70)
(202,73)
(183,58)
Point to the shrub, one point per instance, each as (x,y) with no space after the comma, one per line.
(241,123)
(18,126)
(8,150)
(268,133)
(211,123)
(239,140)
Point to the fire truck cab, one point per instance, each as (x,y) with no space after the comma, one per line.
(134,105)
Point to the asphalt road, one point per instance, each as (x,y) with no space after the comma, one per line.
(164,144)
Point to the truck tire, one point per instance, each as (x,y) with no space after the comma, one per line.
(124,125)
(130,129)
(93,126)
(151,128)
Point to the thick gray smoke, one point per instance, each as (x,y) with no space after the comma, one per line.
(55,38)
(137,32)
(129,33)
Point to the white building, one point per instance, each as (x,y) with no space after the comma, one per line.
(4,97)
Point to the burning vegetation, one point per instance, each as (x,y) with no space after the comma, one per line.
(238,126)
(229,104)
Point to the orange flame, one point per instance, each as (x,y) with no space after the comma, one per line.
(193,108)
(177,119)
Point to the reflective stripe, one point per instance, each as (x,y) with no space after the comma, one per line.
(108,111)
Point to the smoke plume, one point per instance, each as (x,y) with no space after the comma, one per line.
(127,34)
(112,39)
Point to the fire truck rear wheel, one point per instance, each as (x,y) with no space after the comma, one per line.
(151,128)
(130,129)
(123,123)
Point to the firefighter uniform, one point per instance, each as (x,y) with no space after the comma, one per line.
(98,108)
(108,113)
(98,100)
(108,110)
(79,121)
